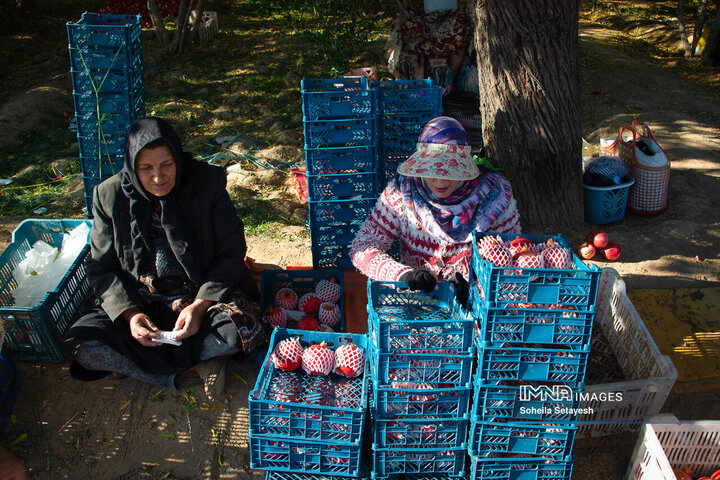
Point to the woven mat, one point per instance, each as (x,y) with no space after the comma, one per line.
(685,324)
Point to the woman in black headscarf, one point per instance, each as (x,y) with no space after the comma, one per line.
(167,254)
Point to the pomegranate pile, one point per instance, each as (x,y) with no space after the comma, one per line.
(317,310)
(522,252)
(347,360)
(599,243)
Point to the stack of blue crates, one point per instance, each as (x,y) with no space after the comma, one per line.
(533,329)
(356,134)
(303,424)
(404,107)
(339,125)
(106,67)
(421,359)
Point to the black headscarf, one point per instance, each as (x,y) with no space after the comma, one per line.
(140,134)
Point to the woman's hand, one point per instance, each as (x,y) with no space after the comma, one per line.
(419,280)
(189,321)
(143,330)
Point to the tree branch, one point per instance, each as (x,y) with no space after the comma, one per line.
(157,21)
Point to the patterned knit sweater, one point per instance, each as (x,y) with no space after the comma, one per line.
(390,219)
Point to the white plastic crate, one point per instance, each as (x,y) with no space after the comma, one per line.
(208,27)
(650,374)
(664,444)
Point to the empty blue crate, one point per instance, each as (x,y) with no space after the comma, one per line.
(322,161)
(342,186)
(420,399)
(524,402)
(327,99)
(528,325)
(408,96)
(554,441)
(405,321)
(437,367)
(522,362)
(107,30)
(333,235)
(35,333)
(90,82)
(104,59)
(301,282)
(122,106)
(332,256)
(394,124)
(9,387)
(397,462)
(339,212)
(339,133)
(574,288)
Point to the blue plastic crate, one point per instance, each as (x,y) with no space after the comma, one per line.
(111,129)
(302,282)
(396,97)
(88,82)
(402,124)
(330,105)
(340,212)
(343,84)
(111,30)
(9,387)
(303,407)
(124,106)
(574,288)
(304,457)
(339,133)
(95,170)
(405,321)
(321,161)
(531,440)
(335,256)
(35,333)
(500,468)
(407,432)
(523,362)
(333,236)
(528,325)
(397,462)
(104,59)
(524,402)
(416,399)
(273,475)
(344,186)
(442,369)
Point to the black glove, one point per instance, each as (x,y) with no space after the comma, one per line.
(419,280)
(461,288)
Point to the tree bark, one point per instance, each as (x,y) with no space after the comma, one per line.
(681,26)
(527,56)
(180,23)
(699,24)
(157,21)
(710,55)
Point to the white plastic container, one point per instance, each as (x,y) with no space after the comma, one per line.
(651,375)
(432,5)
(665,443)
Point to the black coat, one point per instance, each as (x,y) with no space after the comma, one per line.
(212,254)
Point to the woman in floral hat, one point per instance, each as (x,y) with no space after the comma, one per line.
(433,205)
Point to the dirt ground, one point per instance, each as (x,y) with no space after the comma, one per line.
(121,429)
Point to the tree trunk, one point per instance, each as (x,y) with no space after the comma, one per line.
(527,56)
(681,27)
(157,21)
(182,18)
(711,55)
(699,24)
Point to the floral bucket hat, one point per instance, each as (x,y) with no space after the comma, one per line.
(442,151)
